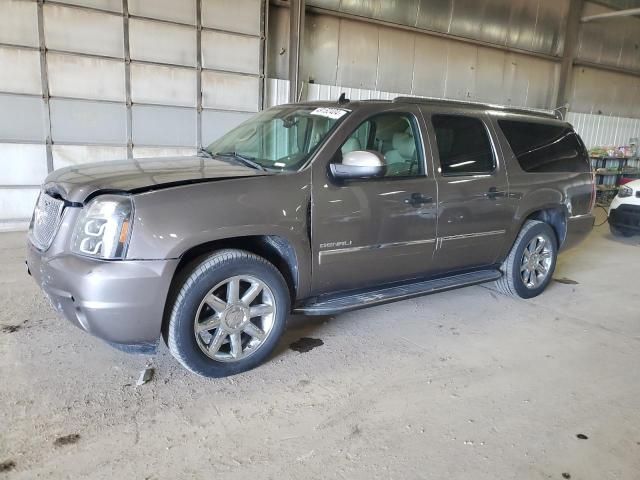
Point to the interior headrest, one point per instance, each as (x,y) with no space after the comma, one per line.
(404,144)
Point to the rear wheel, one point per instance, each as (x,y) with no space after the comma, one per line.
(529,267)
(228,315)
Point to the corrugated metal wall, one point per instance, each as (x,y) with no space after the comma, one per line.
(383,58)
(613,42)
(103,107)
(532,25)
(357,54)
(604,130)
(403,56)
(602,92)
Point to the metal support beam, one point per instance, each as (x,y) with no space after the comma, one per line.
(296,37)
(127,77)
(199,74)
(603,66)
(620,13)
(572,30)
(264,50)
(44,79)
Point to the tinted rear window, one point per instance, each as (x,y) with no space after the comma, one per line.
(463,145)
(545,148)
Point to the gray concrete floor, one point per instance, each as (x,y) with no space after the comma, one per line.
(466,384)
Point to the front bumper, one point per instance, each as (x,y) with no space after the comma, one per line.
(625,217)
(121,302)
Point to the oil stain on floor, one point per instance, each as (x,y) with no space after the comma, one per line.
(305,344)
(67,440)
(7,466)
(10,328)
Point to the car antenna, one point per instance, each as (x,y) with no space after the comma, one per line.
(343,99)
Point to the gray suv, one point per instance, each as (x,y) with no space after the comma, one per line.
(312,208)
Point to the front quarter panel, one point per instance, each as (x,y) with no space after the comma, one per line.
(171,221)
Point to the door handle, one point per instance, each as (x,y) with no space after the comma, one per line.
(493,193)
(417,200)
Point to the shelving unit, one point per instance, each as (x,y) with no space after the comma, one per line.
(609,173)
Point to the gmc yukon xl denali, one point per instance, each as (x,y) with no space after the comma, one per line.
(312,208)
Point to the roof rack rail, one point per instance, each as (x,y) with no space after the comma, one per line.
(479,105)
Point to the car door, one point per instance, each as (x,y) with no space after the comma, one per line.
(474,207)
(376,230)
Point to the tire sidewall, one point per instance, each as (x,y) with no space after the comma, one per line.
(518,283)
(207,275)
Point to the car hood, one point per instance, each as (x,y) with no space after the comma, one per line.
(77,183)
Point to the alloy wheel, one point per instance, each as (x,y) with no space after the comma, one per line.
(536,261)
(235,318)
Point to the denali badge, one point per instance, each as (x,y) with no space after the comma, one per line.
(344,243)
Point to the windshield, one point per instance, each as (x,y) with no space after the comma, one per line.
(280,138)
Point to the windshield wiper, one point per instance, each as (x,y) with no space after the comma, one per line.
(244,159)
(205,152)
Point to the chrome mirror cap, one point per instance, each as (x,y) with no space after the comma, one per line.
(359,164)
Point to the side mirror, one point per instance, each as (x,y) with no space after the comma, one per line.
(359,164)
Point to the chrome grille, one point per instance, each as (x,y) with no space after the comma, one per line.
(45,221)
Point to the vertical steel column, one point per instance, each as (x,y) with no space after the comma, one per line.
(127,78)
(572,30)
(296,37)
(199,73)
(44,79)
(264,28)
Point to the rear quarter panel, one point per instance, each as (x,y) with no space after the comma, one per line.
(569,192)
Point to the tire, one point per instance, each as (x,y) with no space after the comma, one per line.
(619,232)
(512,282)
(209,318)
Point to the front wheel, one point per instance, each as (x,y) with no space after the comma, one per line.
(228,315)
(529,267)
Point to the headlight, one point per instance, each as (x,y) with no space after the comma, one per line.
(625,191)
(104,227)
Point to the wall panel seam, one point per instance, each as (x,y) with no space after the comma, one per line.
(232,32)
(19,47)
(80,7)
(83,54)
(19,94)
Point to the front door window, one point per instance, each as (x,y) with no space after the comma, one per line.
(395,136)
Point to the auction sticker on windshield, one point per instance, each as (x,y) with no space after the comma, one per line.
(334,113)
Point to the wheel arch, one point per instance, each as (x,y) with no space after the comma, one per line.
(273,248)
(556,216)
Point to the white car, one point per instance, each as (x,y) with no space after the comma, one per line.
(624,212)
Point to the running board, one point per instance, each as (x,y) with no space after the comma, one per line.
(331,305)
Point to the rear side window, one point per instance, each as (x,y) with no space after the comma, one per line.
(545,148)
(463,145)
